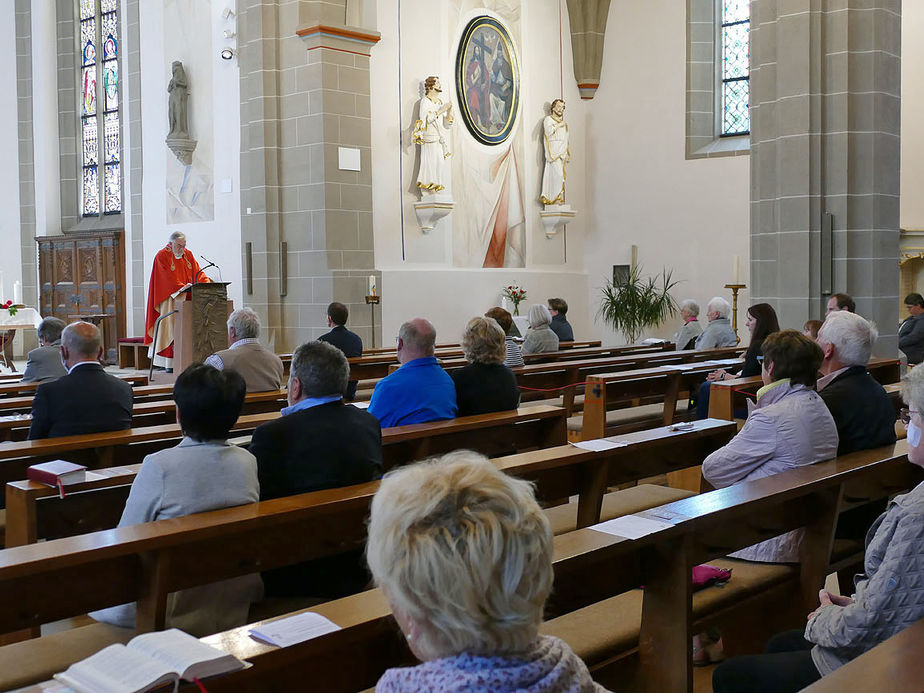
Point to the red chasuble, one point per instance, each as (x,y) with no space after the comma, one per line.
(167,276)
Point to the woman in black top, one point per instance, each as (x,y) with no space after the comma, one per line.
(761,322)
(486,385)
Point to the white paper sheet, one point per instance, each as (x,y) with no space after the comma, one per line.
(631,526)
(294,629)
(681,366)
(360,405)
(600,444)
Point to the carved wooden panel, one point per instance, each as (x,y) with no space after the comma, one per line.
(210,306)
(83,275)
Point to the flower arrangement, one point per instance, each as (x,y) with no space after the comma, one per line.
(10,307)
(515,294)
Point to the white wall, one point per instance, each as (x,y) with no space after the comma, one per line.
(218,239)
(912,173)
(421,278)
(688,216)
(10,258)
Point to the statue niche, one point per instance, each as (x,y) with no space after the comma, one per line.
(178,139)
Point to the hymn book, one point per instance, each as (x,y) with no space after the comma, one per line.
(57,473)
(147,662)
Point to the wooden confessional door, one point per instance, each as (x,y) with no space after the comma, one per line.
(84,275)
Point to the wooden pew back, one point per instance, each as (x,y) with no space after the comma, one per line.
(35,511)
(727,395)
(492,434)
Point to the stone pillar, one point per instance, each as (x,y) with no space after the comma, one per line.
(825,136)
(305,95)
(588,29)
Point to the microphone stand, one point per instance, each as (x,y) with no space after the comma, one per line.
(202,269)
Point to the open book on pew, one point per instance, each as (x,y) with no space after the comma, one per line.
(147,662)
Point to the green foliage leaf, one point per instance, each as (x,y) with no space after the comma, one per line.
(637,303)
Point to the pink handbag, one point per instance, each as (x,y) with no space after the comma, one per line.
(705,575)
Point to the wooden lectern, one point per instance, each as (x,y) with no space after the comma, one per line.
(201,325)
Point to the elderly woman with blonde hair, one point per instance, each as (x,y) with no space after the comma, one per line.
(486,385)
(540,338)
(463,553)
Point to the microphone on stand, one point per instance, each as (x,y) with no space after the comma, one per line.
(201,269)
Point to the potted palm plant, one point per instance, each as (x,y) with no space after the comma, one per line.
(631,303)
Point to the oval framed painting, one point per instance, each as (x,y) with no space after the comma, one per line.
(488,80)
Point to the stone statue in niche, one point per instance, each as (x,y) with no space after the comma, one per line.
(431,132)
(557,154)
(178,139)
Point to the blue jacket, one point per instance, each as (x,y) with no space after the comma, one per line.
(418,392)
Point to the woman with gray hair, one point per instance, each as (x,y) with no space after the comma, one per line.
(718,332)
(486,385)
(685,338)
(539,338)
(463,554)
(887,599)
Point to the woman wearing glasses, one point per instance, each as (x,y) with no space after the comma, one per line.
(888,596)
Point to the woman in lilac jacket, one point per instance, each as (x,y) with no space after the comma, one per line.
(887,595)
(790,427)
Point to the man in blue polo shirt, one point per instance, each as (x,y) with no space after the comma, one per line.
(419,391)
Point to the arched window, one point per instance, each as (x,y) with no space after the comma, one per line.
(100,132)
(734,68)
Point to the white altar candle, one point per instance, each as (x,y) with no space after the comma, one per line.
(735,263)
(2,297)
(372,286)
(17,293)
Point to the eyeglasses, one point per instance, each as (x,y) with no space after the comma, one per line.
(905,415)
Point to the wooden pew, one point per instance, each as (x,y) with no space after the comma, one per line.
(724,395)
(498,433)
(380,365)
(562,345)
(895,664)
(35,511)
(12,389)
(151,413)
(656,624)
(610,390)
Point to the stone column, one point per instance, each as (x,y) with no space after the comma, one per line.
(305,95)
(825,135)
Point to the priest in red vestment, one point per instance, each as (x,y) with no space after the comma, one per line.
(174,268)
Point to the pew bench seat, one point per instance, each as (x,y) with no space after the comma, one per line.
(633,418)
(24,663)
(563,518)
(609,630)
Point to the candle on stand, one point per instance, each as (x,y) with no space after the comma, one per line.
(17,293)
(372,286)
(735,268)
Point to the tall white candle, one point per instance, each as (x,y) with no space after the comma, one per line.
(2,292)
(17,292)
(372,286)
(735,269)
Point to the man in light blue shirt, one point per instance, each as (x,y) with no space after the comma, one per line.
(419,391)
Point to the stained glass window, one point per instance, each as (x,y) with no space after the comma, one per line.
(735,118)
(101,183)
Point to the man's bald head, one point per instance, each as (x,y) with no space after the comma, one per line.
(417,339)
(80,341)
